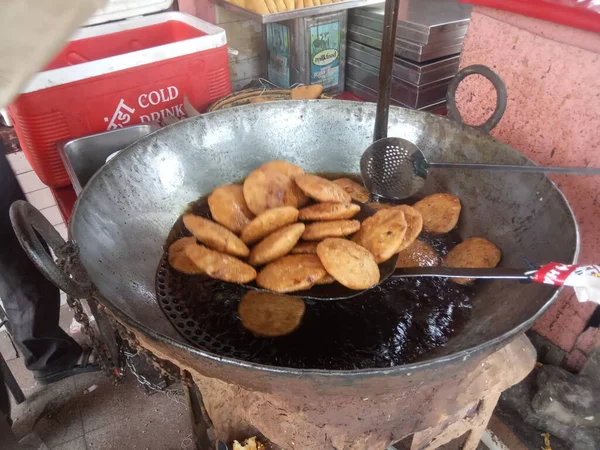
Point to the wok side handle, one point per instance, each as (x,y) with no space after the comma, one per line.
(29,225)
(501,95)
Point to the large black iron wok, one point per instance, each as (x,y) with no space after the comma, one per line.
(123,216)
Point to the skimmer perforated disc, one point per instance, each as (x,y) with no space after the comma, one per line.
(393,168)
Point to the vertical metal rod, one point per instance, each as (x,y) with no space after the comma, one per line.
(385,68)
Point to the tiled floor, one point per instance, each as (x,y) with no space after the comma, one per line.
(122,417)
(111,417)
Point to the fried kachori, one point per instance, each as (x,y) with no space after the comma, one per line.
(321,189)
(267,222)
(418,254)
(228,207)
(349,263)
(377,206)
(440,212)
(329,211)
(178,260)
(382,233)
(220,265)
(291,170)
(215,236)
(276,245)
(267,188)
(305,247)
(473,253)
(327,279)
(414,225)
(317,231)
(291,273)
(270,315)
(357,191)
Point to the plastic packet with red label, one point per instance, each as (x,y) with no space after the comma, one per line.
(584,279)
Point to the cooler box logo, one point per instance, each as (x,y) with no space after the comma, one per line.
(149,106)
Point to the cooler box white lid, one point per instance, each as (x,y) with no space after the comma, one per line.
(123,9)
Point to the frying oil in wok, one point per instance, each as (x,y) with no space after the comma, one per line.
(396,323)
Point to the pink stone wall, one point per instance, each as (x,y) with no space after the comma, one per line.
(204,9)
(552,73)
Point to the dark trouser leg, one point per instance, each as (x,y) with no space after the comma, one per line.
(4,401)
(32,303)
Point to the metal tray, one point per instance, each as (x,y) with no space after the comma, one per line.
(84,156)
(415,73)
(296,13)
(406,49)
(423,21)
(408,94)
(370,95)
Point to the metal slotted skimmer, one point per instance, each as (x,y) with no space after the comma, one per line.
(392,169)
(395,168)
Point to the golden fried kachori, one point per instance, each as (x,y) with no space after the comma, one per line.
(329,211)
(267,222)
(178,260)
(321,189)
(215,236)
(349,263)
(291,170)
(228,207)
(357,191)
(473,253)
(291,273)
(418,254)
(276,245)
(305,247)
(267,188)
(440,212)
(414,225)
(270,315)
(317,231)
(327,279)
(377,206)
(382,233)
(219,265)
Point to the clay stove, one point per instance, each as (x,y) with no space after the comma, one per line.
(296,413)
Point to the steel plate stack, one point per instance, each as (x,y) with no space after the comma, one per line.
(429,38)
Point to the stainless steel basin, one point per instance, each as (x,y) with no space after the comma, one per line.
(84,156)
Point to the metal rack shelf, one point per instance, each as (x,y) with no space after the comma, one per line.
(296,13)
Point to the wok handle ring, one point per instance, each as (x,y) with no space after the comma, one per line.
(501,95)
(29,225)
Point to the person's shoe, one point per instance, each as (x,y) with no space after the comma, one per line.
(87,362)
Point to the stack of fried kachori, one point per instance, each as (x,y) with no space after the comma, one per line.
(290,230)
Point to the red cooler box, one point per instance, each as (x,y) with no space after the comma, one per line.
(118,74)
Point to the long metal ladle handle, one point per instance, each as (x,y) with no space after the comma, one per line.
(449,272)
(584,278)
(517,168)
(385,69)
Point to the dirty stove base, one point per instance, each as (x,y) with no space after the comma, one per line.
(462,403)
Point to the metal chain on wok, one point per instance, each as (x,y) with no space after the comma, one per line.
(68,261)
